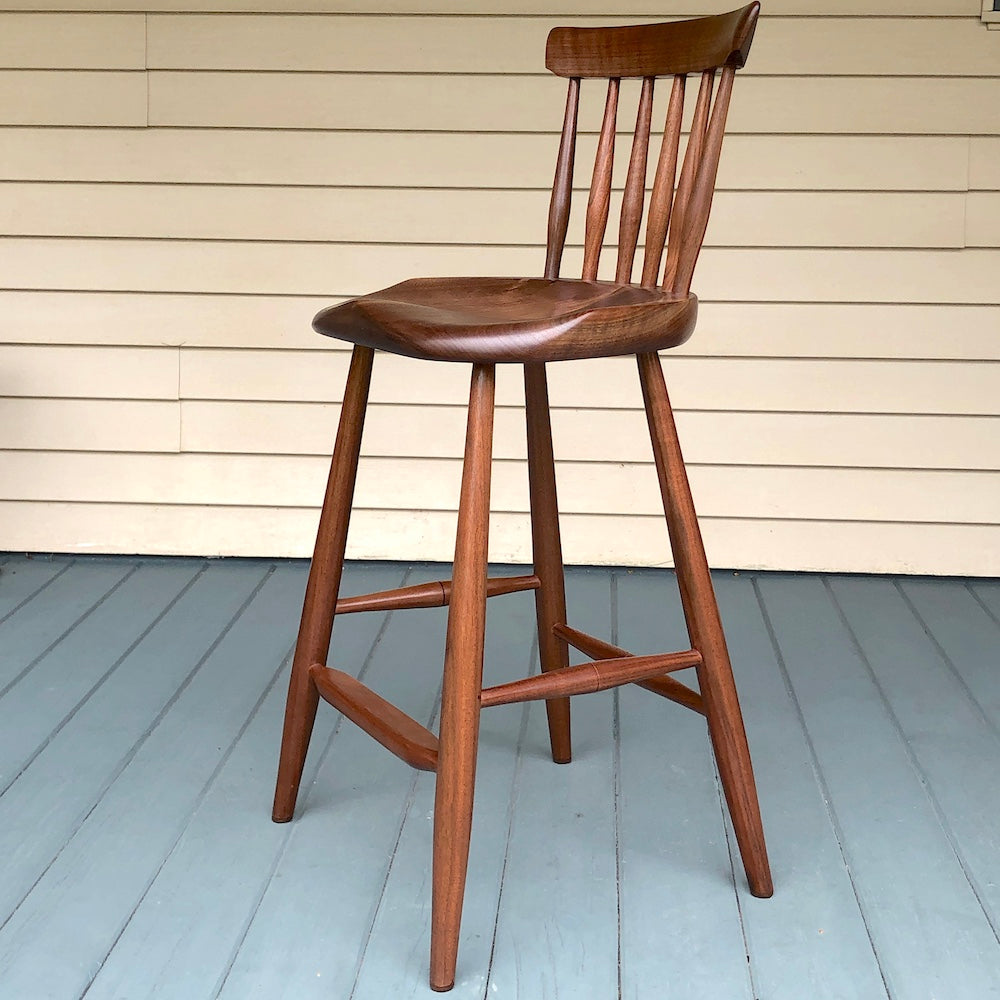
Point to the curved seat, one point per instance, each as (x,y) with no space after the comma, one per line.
(487,320)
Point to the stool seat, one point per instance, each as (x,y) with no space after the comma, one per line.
(488,320)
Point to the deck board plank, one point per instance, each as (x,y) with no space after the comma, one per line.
(306,937)
(52,614)
(395,960)
(34,709)
(557,925)
(675,860)
(138,844)
(162,953)
(943,727)
(21,579)
(54,943)
(810,938)
(960,619)
(928,929)
(43,808)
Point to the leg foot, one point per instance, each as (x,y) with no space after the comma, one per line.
(327,565)
(463,679)
(701,611)
(550,598)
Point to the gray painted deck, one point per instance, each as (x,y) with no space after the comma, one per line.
(140,709)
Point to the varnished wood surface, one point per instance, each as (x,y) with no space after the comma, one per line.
(662,197)
(562,184)
(395,730)
(666,687)
(534,321)
(635,185)
(589,678)
(316,624)
(600,186)
(512,319)
(546,551)
(701,612)
(429,595)
(462,684)
(653,49)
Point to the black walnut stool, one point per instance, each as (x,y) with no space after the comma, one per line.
(532,321)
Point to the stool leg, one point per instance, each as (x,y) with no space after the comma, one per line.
(313,643)
(550,598)
(463,679)
(701,611)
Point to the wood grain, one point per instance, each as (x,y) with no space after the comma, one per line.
(653,49)
(463,678)
(600,187)
(429,595)
(395,730)
(635,185)
(562,186)
(588,678)
(313,642)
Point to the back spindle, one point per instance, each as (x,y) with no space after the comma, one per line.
(562,189)
(661,199)
(692,157)
(635,185)
(700,204)
(600,188)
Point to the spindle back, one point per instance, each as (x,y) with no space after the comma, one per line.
(678,216)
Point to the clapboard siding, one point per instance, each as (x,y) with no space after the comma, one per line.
(64,97)
(725,329)
(72,41)
(474,217)
(120,425)
(456,159)
(710,437)
(828,46)
(493,103)
(889,547)
(741,274)
(183,184)
(432,484)
(636,8)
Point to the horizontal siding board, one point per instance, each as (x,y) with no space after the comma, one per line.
(984,163)
(637,8)
(67,97)
(509,44)
(982,222)
(306,158)
(90,425)
(852,546)
(919,105)
(442,159)
(72,41)
(761,275)
(840,385)
(730,438)
(433,484)
(94,372)
(406,215)
(798,329)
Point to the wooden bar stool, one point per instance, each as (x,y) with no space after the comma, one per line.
(532,321)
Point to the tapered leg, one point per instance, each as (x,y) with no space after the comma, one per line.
(550,598)
(323,586)
(715,676)
(463,679)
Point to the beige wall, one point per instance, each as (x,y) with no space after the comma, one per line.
(180,192)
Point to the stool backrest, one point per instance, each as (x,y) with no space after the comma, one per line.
(677,219)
